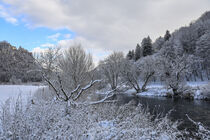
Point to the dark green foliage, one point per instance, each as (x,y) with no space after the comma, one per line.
(131,55)
(138,52)
(147,46)
(167,36)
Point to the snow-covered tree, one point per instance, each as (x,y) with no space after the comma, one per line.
(129,56)
(111,67)
(203,48)
(175,65)
(131,74)
(157,45)
(14,64)
(72,76)
(138,74)
(188,37)
(75,65)
(148,67)
(49,59)
(203,51)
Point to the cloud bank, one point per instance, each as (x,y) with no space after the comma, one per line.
(108,25)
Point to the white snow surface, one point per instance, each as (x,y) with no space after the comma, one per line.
(159,90)
(13,91)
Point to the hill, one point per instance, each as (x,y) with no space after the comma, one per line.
(15,64)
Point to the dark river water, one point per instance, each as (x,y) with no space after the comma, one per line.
(198,110)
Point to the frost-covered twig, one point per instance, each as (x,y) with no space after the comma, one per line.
(108,95)
(203,132)
(85,88)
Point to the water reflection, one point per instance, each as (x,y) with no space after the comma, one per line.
(198,110)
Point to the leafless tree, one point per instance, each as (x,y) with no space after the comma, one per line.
(131,74)
(111,66)
(49,59)
(175,65)
(148,67)
(174,72)
(76,65)
(138,74)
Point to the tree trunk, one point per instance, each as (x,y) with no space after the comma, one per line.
(146,81)
(176,93)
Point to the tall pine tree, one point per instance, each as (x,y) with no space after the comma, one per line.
(147,46)
(129,55)
(137,52)
(133,54)
(167,35)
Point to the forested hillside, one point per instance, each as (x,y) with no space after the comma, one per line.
(15,64)
(191,41)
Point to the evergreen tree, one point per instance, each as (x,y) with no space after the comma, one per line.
(147,46)
(129,55)
(167,35)
(133,54)
(137,52)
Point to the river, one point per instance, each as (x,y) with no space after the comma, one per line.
(198,110)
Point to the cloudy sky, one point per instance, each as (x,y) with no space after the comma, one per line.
(101,26)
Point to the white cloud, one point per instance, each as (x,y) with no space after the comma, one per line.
(4,14)
(67,36)
(38,50)
(54,37)
(110,25)
(47,45)
(90,47)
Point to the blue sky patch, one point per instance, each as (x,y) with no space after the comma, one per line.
(29,38)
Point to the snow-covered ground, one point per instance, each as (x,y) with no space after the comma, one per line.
(157,89)
(12,91)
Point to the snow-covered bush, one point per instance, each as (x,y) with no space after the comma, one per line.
(14,80)
(48,120)
(202,132)
(206,91)
(202,92)
(44,94)
(28,122)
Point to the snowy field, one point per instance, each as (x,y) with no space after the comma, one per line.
(12,91)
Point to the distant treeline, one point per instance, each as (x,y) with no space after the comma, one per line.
(16,64)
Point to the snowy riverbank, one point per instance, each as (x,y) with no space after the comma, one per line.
(199,90)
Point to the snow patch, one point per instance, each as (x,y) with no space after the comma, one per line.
(160,92)
(12,91)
